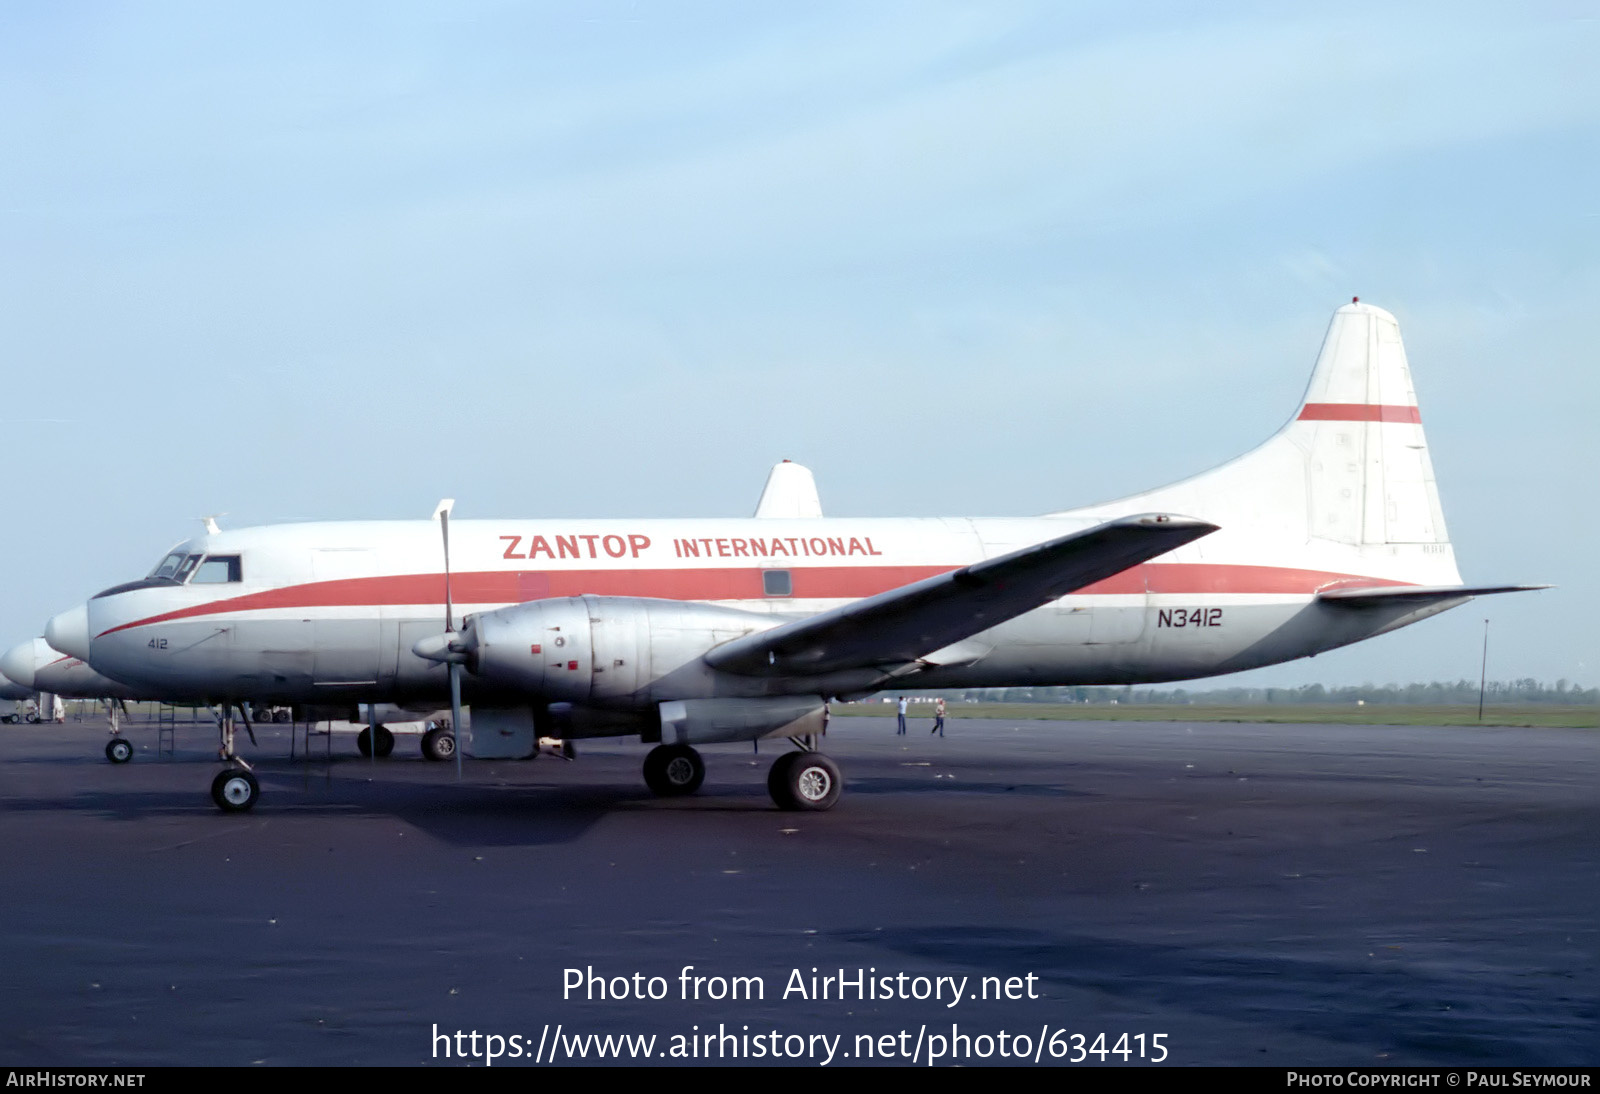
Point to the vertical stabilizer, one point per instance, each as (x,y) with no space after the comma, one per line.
(1371,480)
(1349,470)
(791,492)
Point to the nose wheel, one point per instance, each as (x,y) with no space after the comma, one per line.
(118,750)
(235,790)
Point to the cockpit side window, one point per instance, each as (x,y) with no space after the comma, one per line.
(186,568)
(218,570)
(168,566)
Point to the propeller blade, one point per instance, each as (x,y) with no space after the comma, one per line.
(442,512)
(455,712)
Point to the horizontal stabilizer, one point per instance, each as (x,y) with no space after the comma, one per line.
(902,625)
(1397,594)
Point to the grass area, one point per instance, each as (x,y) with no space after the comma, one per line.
(1531,714)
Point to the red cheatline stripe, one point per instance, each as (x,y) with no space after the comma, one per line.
(810,583)
(1359,412)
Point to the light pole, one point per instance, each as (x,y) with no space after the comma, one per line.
(1483,672)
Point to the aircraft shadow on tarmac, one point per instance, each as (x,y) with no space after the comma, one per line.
(952,786)
(466,816)
(1436,1016)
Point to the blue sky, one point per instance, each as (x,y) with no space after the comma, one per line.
(300,262)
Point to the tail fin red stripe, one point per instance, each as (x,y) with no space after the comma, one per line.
(1359,412)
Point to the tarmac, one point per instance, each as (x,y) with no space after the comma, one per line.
(1254,894)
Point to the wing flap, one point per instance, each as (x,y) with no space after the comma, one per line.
(905,624)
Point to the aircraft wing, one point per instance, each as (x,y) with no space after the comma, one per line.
(905,624)
(1375,597)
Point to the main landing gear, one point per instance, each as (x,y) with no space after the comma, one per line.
(439,744)
(805,780)
(674,770)
(385,741)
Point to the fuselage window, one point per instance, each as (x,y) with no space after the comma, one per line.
(168,566)
(777,583)
(218,570)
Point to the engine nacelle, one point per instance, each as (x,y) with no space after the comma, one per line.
(706,721)
(604,650)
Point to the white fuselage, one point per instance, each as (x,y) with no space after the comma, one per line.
(331,611)
(1342,497)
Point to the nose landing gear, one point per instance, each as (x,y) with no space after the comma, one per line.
(235,789)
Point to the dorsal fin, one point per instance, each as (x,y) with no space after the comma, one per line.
(791,492)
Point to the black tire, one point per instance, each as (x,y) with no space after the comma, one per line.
(385,741)
(439,744)
(235,790)
(778,780)
(118,750)
(281,716)
(671,771)
(812,782)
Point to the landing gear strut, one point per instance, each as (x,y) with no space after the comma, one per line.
(118,750)
(673,770)
(235,789)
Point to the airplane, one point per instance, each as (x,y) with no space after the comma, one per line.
(687,632)
(15,696)
(35,665)
(31,667)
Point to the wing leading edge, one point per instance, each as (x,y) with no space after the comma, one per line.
(905,624)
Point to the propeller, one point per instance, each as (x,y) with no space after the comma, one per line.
(454,657)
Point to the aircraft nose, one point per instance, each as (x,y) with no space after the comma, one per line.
(68,632)
(18,664)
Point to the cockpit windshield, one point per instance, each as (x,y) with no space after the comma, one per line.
(168,566)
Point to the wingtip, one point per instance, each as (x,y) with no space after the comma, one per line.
(1173,521)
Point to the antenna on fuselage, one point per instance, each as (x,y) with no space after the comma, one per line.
(441,513)
(210,521)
